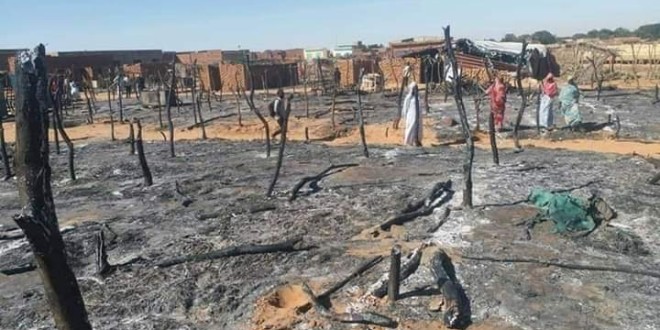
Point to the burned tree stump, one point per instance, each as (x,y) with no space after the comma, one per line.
(467,133)
(365,149)
(395,275)
(38,218)
(280,154)
(168,108)
(523,96)
(146,172)
(3,152)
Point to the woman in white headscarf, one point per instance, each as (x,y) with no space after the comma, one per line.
(413,116)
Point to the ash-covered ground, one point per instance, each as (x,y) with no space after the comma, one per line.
(228,180)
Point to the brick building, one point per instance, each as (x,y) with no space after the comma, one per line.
(119,57)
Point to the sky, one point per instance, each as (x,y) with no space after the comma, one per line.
(280,24)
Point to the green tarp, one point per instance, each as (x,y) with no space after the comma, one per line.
(569,213)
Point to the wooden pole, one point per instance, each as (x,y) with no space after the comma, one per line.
(250,102)
(121,105)
(523,96)
(90,110)
(55,132)
(38,219)
(493,140)
(469,143)
(395,275)
(160,109)
(112,119)
(146,172)
(209,101)
(427,71)
(3,152)
(365,149)
(57,111)
(280,155)
(131,138)
(195,98)
(168,107)
(334,100)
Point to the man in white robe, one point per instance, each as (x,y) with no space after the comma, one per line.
(413,117)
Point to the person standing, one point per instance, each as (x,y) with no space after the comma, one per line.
(569,98)
(276,110)
(549,93)
(497,95)
(413,116)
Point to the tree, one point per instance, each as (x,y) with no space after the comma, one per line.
(524,37)
(544,37)
(605,34)
(593,34)
(510,37)
(622,33)
(580,36)
(651,31)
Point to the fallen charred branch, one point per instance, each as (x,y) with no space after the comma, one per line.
(439,194)
(408,267)
(443,219)
(456,308)
(210,120)
(614,269)
(368,318)
(357,272)
(313,180)
(19,270)
(287,246)
(11,235)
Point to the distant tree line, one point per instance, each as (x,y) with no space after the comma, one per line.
(650,31)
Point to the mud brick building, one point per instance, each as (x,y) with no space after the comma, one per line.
(350,70)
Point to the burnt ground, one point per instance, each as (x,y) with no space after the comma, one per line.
(228,180)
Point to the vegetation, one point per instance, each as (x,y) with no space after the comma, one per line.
(650,31)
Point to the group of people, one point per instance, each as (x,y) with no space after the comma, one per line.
(568,97)
(129,85)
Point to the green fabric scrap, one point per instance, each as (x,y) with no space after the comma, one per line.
(566,211)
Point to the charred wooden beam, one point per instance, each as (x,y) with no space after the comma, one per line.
(441,193)
(368,318)
(357,272)
(146,172)
(467,133)
(38,218)
(286,246)
(443,219)
(313,180)
(456,309)
(408,267)
(18,270)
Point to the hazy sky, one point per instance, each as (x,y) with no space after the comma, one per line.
(270,24)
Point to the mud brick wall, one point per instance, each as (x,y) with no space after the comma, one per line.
(392,70)
(350,70)
(233,76)
(279,75)
(209,77)
(204,57)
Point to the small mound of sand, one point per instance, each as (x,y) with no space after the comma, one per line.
(281,309)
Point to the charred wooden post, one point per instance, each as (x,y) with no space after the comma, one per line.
(365,149)
(131,138)
(38,219)
(657,94)
(399,102)
(121,105)
(170,96)
(195,99)
(57,112)
(395,275)
(477,109)
(146,172)
(334,103)
(305,91)
(250,102)
(209,101)
(160,109)
(469,143)
(264,83)
(102,265)
(112,119)
(320,72)
(3,152)
(280,154)
(493,139)
(55,132)
(523,96)
(538,110)
(90,110)
(427,70)
(598,76)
